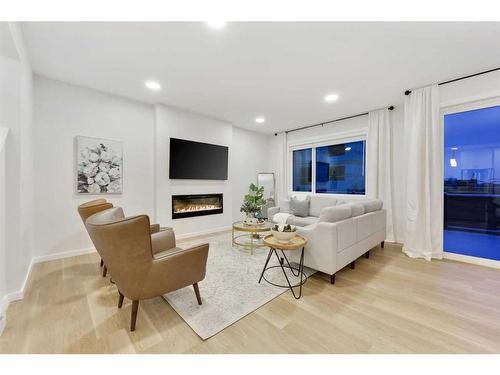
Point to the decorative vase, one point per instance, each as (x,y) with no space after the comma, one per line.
(251,219)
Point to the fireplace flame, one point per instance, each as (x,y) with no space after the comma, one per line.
(195,207)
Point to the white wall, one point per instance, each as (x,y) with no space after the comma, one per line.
(3,269)
(250,155)
(9,116)
(63,111)
(15,114)
(472,89)
(176,123)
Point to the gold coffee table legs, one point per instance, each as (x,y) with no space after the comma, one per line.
(247,240)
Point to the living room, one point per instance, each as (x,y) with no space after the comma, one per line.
(203,187)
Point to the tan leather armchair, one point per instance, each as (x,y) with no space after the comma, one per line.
(144,265)
(89,208)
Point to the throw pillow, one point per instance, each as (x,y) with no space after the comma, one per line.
(299,207)
(335,213)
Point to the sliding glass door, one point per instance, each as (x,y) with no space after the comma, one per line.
(472,183)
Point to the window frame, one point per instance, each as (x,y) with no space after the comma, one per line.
(314,143)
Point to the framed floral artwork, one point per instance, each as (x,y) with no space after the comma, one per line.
(99,166)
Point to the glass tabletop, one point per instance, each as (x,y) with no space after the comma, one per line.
(262,227)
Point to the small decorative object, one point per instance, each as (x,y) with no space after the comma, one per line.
(99,166)
(283,233)
(252,204)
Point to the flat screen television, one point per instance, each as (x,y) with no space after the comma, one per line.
(197,161)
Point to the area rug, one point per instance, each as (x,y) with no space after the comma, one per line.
(230,289)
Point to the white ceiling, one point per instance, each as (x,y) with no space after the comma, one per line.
(279,70)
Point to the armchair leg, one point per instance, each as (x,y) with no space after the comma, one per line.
(197,292)
(382,244)
(133,318)
(367,254)
(120,300)
(104,271)
(102,262)
(353,264)
(332,279)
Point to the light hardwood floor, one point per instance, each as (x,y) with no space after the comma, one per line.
(388,304)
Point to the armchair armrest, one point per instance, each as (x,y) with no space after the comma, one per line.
(162,241)
(154,228)
(178,268)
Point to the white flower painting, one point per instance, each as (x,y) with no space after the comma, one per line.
(99,166)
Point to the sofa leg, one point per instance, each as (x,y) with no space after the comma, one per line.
(197,292)
(332,279)
(353,264)
(102,263)
(104,271)
(120,300)
(382,244)
(367,254)
(133,317)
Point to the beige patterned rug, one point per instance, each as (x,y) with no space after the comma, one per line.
(230,289)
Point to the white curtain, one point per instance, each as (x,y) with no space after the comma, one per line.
(424,193)
(380,165)
(282,167)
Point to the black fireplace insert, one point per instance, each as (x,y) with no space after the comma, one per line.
(196,205)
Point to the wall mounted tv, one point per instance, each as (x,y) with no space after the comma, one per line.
(197,161)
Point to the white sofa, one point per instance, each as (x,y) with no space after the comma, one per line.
(338,231)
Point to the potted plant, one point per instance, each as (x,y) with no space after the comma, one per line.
(252,203)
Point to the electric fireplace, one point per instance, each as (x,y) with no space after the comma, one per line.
(196,205)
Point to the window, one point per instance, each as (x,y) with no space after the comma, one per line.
(472,182)
(330,169)
(302,170)
(340,169)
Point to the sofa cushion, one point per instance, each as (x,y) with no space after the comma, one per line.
(372,205)
(335,213)
(318,202)
(299,206)
(302,221)
(357,209)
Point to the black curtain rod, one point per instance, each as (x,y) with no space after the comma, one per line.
(329,122)
(408,92)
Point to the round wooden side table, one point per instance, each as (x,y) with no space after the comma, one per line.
(295,244)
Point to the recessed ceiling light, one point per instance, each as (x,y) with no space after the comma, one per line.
(152,85)
(348,149)
(454,148)
(260,120)
(216,24)
(331,98)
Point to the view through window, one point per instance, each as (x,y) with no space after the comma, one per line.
(302,170)
(472,183)
(338,168)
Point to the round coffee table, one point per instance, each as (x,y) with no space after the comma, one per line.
(295,244)
(251,235)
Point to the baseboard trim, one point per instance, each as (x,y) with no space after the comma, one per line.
(202,233)
(473,260)
(16,296)
(62,255)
